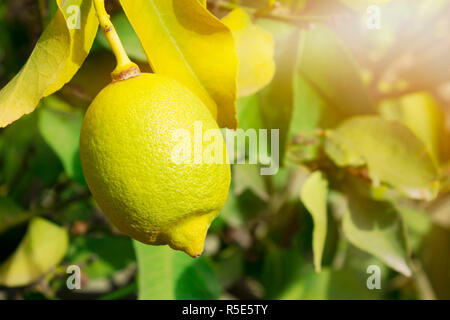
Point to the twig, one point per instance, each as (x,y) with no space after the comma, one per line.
(299,21)
(43,12)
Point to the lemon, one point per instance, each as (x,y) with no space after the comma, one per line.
(126,147)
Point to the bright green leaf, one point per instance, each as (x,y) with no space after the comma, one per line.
(314,197)
(393,154)
(183,40)
(57,56)
(249,115)
(308,108)
(43,247)
(60,126)
(311,109)
(166,274)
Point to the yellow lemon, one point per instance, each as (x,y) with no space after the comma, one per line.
(128,139)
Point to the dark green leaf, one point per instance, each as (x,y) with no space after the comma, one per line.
(103,257)
(277,99)
(377,228)
(331,71)
(166,274)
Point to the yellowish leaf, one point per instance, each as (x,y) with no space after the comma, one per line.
(394,155)
(58,55)
(314,196)
(422,114)
(255,48)
(43,246)
(183,40)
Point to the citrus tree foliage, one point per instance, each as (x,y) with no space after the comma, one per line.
(363,116)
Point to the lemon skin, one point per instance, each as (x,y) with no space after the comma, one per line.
(126,146)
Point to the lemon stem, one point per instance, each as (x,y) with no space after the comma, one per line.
(125,67)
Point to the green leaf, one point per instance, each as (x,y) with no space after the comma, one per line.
(377,228)
(344,284)
(248,113)
(11,214)
(393,154)
(21,146)
(435,258)
(230,265)
(331,71)
(248,177)
(183,40)
(60,126)
(103,256)
(255,49)
(311,109)
(166,274)
(249,117)
(57,56)
(128,37)
(280,270)
(277,99)
(42,248)
(314,197)
(238,210)
(286,276)
(418,224)
(15,142)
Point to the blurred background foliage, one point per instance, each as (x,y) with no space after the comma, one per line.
(379,194)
